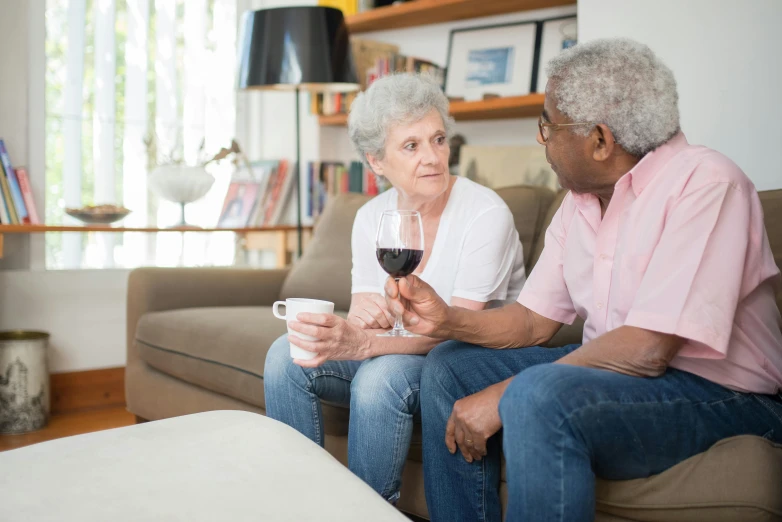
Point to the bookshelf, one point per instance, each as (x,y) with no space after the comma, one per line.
(490,109)
(426,12)
(252,236)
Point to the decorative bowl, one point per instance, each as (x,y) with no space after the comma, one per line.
(179,183)
(98,215)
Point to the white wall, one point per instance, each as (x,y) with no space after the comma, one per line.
(727,59)
(83,310)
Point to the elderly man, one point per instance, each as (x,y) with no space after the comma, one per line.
(660,247)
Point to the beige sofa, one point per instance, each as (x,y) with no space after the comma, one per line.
(197,340)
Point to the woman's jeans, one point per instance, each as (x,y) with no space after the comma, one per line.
(563,425)
(382,393)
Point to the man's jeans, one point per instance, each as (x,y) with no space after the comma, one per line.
(383,397)
(562,425)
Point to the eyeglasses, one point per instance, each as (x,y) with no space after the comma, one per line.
(545,128)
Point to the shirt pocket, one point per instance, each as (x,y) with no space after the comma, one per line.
(632,269)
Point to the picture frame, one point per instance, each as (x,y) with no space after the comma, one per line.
(239,204)
(502,166)
(493,59)
(555,35)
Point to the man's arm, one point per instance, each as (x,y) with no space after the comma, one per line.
(512,326)
(628,350)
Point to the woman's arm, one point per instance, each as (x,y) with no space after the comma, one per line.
(412,345)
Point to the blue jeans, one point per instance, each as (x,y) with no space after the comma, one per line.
(383,396)
(563,425)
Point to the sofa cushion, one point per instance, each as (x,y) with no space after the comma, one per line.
(771,200)
(221,349)
(552,209)
(529,206)
(736,479)
(323,272)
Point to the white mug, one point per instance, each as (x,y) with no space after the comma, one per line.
(295,306)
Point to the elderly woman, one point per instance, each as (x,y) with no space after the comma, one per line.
(472,258)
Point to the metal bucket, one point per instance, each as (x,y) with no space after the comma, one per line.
(24,381)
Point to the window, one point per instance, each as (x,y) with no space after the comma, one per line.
(117,72)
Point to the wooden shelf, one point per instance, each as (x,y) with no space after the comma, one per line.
(333,120)
(32,229)
(529,106)
(425,12)
(249,233)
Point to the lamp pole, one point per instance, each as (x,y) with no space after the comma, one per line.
(298,175)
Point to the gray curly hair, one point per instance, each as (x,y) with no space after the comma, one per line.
(395,99)
(622,84)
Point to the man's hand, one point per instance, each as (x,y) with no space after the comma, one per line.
(426,312)
(337,339)
(473,420)
(370,312)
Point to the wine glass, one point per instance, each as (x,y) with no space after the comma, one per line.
(400,248)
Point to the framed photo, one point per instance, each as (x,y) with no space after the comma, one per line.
(239,204)
(557,34)
(494,59)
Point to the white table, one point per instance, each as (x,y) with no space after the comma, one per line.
(217,466)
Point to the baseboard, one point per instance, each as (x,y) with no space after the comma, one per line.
(87,390)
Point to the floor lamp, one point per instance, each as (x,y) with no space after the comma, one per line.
(296,49)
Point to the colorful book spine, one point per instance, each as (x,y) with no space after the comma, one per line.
(27,194)
(13,183)
(6,203)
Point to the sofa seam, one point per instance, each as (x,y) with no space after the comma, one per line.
(202,359)
(672,507)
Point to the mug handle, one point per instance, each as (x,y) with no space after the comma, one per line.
(276,310)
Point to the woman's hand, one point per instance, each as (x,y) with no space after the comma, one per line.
(369,311)
(338,339)
(426,312)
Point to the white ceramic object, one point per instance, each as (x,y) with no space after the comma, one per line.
(293,307)
(180,183)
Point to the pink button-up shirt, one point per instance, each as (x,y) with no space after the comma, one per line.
(682,250)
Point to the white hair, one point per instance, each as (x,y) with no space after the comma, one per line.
(622,84)
(398,98)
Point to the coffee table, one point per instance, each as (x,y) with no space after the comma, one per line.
(216,466)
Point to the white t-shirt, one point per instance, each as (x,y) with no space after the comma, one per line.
(476,254)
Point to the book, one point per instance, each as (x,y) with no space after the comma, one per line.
(7,213)
(263,171)
(373,60)
(328,178)
(238,205)
(277,194)
(13,183)
(27,194)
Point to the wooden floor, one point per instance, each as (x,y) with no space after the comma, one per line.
(68,424)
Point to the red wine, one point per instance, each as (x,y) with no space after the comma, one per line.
(399,262)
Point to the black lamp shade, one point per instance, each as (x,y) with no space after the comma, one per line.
(296,47)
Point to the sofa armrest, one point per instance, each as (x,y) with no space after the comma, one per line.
(158,289)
